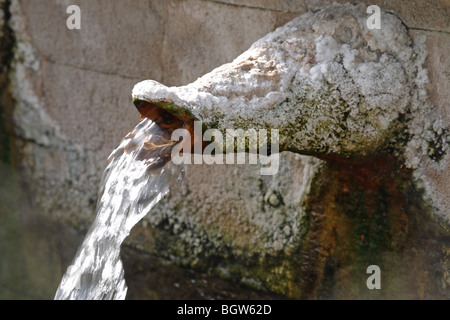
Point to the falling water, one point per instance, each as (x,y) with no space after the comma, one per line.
(138,175)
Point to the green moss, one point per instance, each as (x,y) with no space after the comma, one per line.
(436,147)
(176,110)
(365,214)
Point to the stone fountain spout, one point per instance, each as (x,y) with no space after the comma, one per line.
(329,84)
(339,91)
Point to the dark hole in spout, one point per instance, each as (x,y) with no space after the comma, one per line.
(157,149)
(170,121)
(161,117)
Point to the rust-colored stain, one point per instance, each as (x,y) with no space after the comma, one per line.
(170,122)
(359,213)
(157,151)
(363,214)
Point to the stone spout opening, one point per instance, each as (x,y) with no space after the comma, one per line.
(170,118)
(332,87)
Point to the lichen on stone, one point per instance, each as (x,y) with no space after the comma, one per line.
(327,82)
(333,88)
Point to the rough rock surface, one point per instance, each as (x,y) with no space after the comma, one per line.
(68,94)
(327,82)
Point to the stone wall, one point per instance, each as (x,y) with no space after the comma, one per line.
(68,95)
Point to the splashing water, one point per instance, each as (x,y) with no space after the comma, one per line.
(138,175)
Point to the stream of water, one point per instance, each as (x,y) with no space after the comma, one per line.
(139,173)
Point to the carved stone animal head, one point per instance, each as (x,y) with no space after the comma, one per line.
(328,83)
